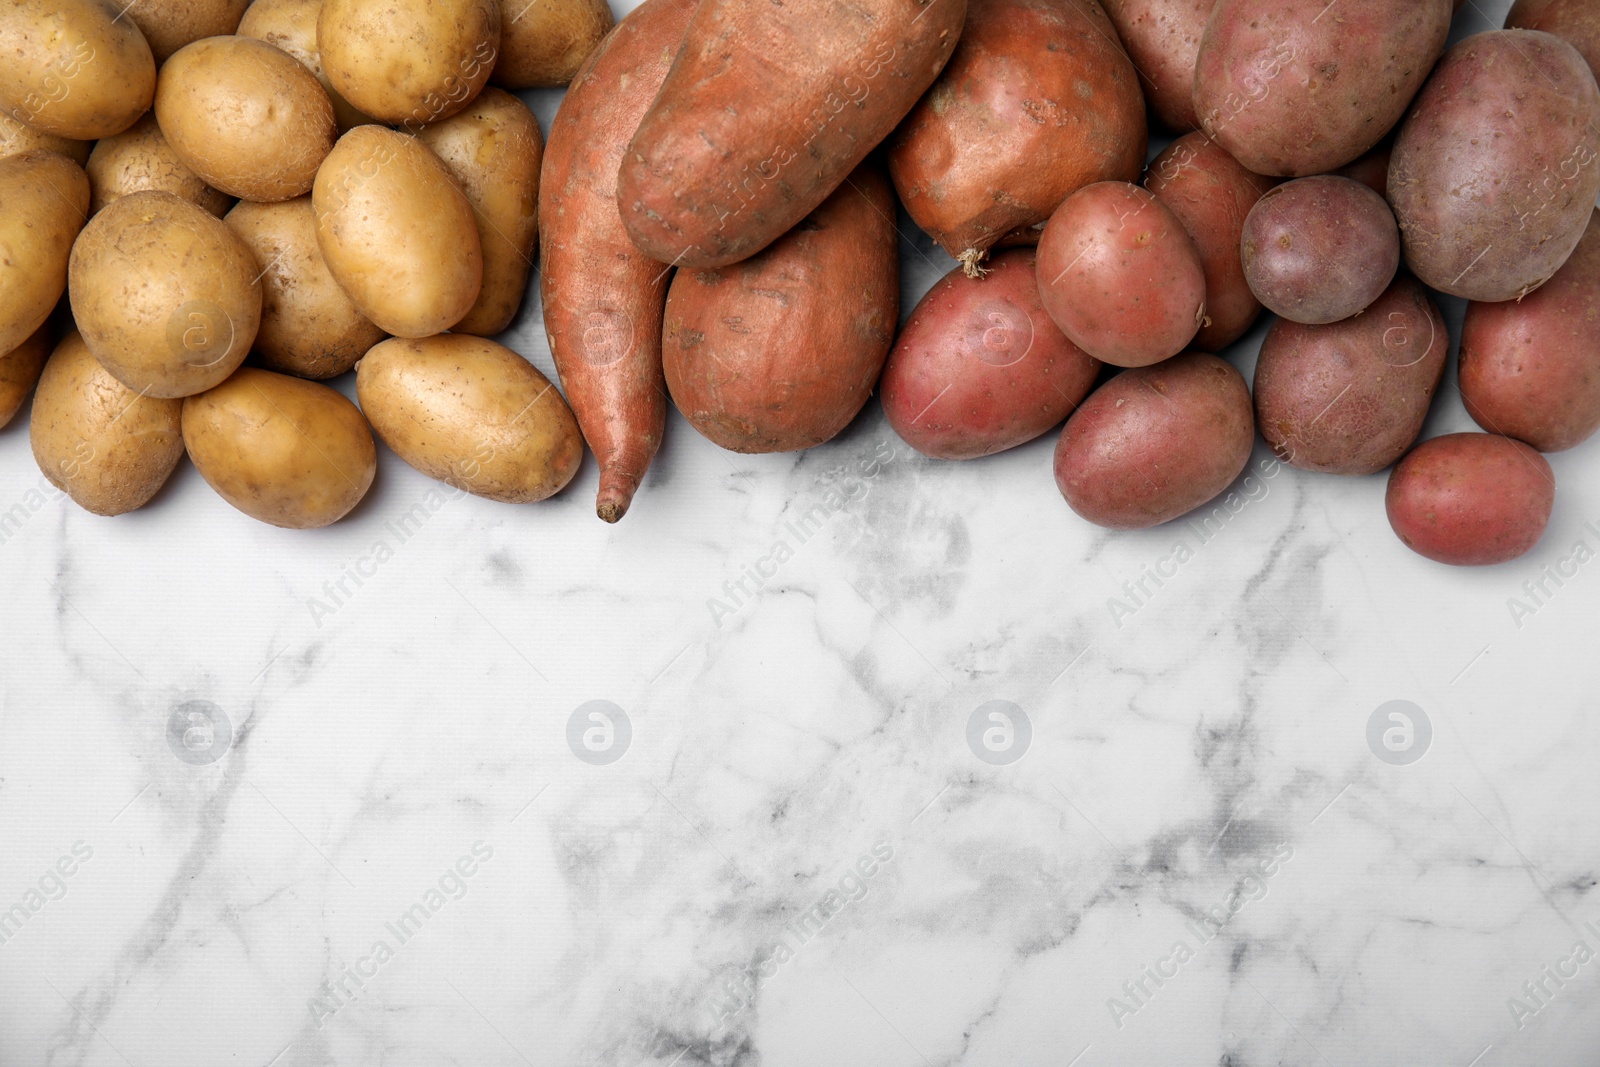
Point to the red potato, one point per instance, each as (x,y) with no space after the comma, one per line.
(980,368)
(1575,21)
(1120,275)
(1212,194)
(1471,499)
(767,109)
(1156,442)
(780,352)
(1038,101)
(603,298)
(1372,169)
(1163,40)
(1530,368)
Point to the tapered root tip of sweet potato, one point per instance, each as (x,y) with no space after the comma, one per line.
(616,493)
(611,511)
(970,260)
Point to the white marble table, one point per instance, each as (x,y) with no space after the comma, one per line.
(319,805)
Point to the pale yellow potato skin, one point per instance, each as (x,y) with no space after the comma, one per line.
(493,150)
(73,67)
(19,372)
(544,42)
(44,202)
(292,26)
(309,326)
(140,158)
(283,450)
(168,25)
(397,232)
(247,117)
(409,61)
(471,413)
(101,443)
(167,297)
(18,137)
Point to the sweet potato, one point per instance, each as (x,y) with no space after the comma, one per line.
(1471,499)
(603,298)
(780,352)
(766,110)
(1163,40)
(1038,101)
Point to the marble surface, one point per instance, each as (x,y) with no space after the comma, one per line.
(295,799)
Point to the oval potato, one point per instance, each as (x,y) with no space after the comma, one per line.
(166,296)
(283,450)
(44,201)
(101,443)
(18,137)
(309,326)
(409,61)
(19,372)
(397,232)
(168,25)
(140,158)
(292,26)
(471,413)
(493,149)
(1575,21)
(543,44)
(74,68)
(1471,499)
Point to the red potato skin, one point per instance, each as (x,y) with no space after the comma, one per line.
(767,109)
(1575,21)
(1156,442)
(603,298)
(780,352)
(1530,368)
(1298,87)
(980,368)
(1120,275)
(1163,40)
(1212,194)
(1471,499)
(1372,169)
(1038,101)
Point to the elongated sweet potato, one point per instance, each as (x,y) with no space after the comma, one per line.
(603,298)
(780,352)
(767,109)
(1038,101)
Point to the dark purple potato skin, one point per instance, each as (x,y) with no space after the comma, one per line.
(1317,250)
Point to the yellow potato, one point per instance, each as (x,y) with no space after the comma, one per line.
(140,158)
(19,371)
(74,68)
(247,117)
(170,24)
(409,61)
(286,451)
(309,327)
(493,150)
(471,413)
(167,297)
(106,446)
(544,42)
(397,232)
(44,200)
(292,26)
(18,137)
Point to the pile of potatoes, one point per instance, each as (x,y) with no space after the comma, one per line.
(281,192)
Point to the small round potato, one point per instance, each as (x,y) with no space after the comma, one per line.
(1471,499)
(471,413)
(409,61)
(397,232)
(309,326)
(292,26)
(140,158)
(544,42)
(283,450)
(170,24)
(247,117)
(44,200)
(19,372)
(1320,249)
(1120,275)
(18,137)
(165,295)
(74,68)
(493,149)
(103,444)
